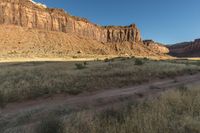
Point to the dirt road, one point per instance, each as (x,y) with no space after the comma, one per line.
(103,97)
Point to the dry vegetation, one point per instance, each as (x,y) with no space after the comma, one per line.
(174,111)
(22,81)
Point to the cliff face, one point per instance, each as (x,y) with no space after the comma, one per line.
(186,49)
(26,13)
(156,47)
(22,42)
(31,29)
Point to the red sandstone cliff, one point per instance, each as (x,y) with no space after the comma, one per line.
(156,47)
(28,14)
(186,49)
(29,29)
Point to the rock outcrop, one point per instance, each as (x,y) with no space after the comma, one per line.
(22,42)
(27,13)
(186,49)
(30,29)
(157,47)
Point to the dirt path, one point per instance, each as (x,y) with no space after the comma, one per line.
(104,97)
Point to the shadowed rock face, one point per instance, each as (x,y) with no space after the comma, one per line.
(186,49)
(28,14)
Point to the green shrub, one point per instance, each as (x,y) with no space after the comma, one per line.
(145,58)
(183,88)
(80,66)
(109,60)
(106,60)
(139,62)
(50,125)
(111,114)
(133,57)
(2,100)
(85,63)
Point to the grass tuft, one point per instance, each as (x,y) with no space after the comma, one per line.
(2,100)
(50,125)
(139,62)
(80,66)
(30,80)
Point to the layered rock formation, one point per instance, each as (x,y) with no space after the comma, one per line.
(21,42)
(30,29)
(156,47)
(26,13)
(186,49)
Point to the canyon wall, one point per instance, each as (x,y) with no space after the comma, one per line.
(29,14)
(186,49)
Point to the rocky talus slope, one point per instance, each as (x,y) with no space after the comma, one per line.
(186,49)
(33,29)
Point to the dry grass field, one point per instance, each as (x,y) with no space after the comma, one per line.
(172,112)
(23,81)
(175,111)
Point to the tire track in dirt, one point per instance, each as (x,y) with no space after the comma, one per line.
(107,96)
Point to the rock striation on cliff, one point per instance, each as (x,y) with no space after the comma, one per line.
(27,13)
(30,29)
(156,47)
(186,49)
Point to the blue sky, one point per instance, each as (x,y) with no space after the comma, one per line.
(165,21)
